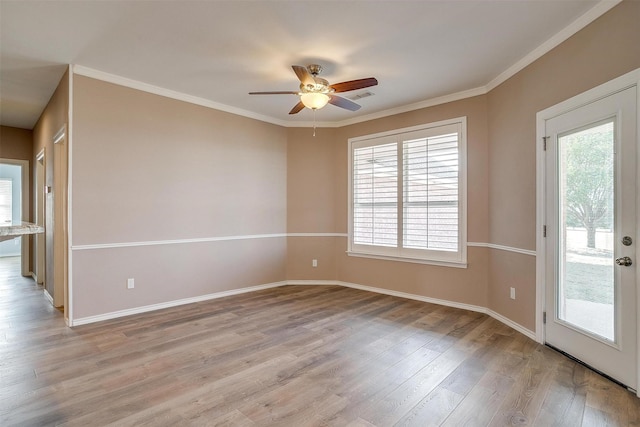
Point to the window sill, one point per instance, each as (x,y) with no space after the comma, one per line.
(454,264)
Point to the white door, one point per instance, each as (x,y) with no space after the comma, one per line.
(590,294)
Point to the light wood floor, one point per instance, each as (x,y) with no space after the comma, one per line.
(291,356)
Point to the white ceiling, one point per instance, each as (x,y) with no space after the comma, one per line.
(221,50)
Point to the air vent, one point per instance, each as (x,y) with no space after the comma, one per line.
(361,95)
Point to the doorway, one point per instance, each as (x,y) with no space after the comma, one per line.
(14,208)
(589,230)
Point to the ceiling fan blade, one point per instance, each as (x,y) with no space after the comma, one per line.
(343,103)
(274,93)
(297,108)
(354,84)
(305,77)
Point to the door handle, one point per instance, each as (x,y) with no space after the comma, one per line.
(625,261)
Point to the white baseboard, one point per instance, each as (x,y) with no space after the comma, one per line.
(168,304)
(48,297)
(152,307)
(313,282)
(518,327)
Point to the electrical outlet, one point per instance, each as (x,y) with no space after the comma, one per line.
(314,263)
(512,293)
(130,284)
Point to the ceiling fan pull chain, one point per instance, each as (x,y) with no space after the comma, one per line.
(314,122)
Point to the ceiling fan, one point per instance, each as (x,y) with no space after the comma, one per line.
(315,92)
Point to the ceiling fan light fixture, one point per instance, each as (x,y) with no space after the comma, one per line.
(316,92)
(314,100)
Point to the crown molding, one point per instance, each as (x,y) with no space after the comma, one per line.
(168,93)
(411,107)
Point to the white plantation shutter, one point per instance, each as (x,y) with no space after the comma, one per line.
(407,194)
(375,195)
(6,201)
(431,193)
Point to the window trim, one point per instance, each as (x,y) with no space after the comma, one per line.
(431,257)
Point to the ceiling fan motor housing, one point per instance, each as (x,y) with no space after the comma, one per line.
(314,69)
(321,86)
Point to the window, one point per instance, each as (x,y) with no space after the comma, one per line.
(6,201)
(408,193)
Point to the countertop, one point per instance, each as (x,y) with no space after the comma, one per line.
(14,230)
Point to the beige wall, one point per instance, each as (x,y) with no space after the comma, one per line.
(605,49)
(53,118)
(312,181)
(312,184)
(148,168)
(16,143)
(166,273)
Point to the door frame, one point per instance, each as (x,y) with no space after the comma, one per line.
(631,79)
(38,217)
(59,238)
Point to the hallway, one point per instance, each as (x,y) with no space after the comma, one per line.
(32,311)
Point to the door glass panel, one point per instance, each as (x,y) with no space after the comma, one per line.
(586,287)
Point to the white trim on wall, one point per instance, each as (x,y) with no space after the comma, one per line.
(62,132)
(176,241)
(502,248)
(48,297)
(261,236)
(317,235)
(69,308)
(591,15)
